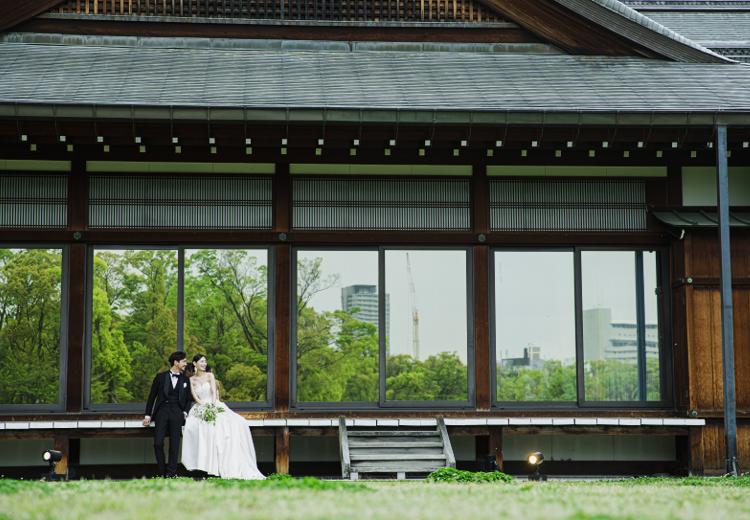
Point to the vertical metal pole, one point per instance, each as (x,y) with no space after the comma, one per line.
(727,309)
(181,299)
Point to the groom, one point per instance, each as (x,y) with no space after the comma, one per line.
(168,403)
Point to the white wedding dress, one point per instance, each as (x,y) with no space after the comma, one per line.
(224,448)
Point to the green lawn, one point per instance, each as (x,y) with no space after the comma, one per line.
(713,499)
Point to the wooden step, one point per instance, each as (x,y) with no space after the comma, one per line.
(407,444)
(361,433)
(395,467)
(397,456)
(416,452)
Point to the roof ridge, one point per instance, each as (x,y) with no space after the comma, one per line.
(632,24)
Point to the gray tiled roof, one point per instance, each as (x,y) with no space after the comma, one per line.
(124,76)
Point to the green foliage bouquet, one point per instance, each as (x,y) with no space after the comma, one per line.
(207,412)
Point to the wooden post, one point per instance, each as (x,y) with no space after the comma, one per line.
(496,446)
(62,444)
(481,227)
(281,449)
(282,187)
(77,222)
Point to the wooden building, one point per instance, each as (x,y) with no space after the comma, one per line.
(494,217)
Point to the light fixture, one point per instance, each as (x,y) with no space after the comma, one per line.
(52,457)
(524,153)
(106,148)
(391,142)
(693,154)
(490,152)
(745,144)
(421,152)
(427,142)
(318,151)
(675,144)
(283,151)
(137,140)
(355,142)
(175,140)
(710,144)
(211,140)
(570,144)
(69,147)
(534,144)
(387,152)
(32,147)
(24,138)
(99,138)
(464,143)
(178,149)
(142,149)
(535,460)
(248,150)
(352,151)
(592,153)
(248,141)
(284,141)
(213,150)
(456,152)
(659,154)
(558,153)
(499,143)
(605,144)
(641,144)
(626,154)
(62,138)
(321,141)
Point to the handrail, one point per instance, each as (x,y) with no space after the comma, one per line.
(450,459)
(346,463)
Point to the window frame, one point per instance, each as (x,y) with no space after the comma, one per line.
(62,394)
(383,404)
(664,331)
(180,249)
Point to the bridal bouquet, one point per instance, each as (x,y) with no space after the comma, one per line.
(207,412)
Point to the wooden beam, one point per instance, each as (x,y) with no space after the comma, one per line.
(281,450)
(14,13)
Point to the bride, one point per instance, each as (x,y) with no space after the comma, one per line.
(222,446)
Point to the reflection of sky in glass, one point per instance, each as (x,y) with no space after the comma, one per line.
(535,304)
(609,283)
(649,285)
(349,268)
(440,286)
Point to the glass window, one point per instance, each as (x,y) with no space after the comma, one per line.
(337,343)
(133,321)
(226,318)
(610,331)
(426,326)
(535,335)
(30,332)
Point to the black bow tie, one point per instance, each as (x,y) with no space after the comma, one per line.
(174,375)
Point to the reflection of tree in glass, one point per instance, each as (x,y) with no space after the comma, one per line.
(29,325)
(134,322)
(226,318)
(337,355)
(553,381)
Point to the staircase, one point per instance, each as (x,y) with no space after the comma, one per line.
(388,451)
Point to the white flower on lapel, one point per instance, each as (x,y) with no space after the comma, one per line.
(184,385)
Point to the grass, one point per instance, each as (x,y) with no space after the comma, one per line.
(281,498)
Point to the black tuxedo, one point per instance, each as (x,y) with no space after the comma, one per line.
(167,405)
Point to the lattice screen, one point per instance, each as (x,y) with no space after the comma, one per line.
(346,10)
(215,202)
(574,205)
(33,200)
(381,204)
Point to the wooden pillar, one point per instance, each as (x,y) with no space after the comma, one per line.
(281,450)
(496,446)
(481,227)
(62,444)
(76,266)
(282,288)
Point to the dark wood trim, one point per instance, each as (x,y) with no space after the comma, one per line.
(13,13)
(61,443)
(282,326)
(674,183)
(480,198)
(482,355)
(76,326)
(496,446)
(78,196)
(281,32)
(282,193)
(281,450)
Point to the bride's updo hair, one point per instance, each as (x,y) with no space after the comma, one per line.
(190,369)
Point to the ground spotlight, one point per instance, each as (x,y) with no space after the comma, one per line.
(52,457)
(535,460)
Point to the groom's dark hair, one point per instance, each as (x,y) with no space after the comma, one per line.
(175,356)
